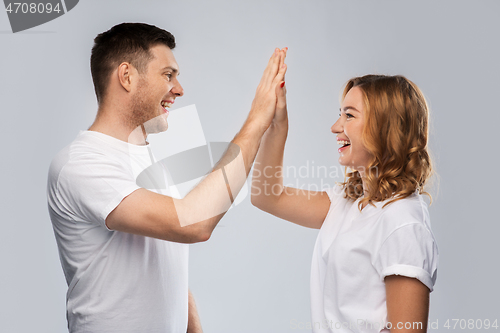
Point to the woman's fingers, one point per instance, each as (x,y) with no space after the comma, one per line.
(285,50)
(281,74)
(281,67)
(281,95)
(283,56)
(280,112)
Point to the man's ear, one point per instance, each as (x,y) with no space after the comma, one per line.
(126,75)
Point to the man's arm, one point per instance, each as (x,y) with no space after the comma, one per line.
(193,218)
(194,324)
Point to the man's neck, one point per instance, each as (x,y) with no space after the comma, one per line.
(110,123)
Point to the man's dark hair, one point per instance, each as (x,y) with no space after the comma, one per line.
(126,42)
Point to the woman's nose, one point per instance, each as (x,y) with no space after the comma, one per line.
(338,127)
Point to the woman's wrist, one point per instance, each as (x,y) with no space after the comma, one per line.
(278,126)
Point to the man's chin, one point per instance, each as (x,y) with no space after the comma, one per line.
(156,125)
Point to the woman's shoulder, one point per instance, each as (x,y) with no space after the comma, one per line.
(391,213)
(409,210)
(335,192)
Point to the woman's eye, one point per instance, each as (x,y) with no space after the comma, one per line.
(348,115)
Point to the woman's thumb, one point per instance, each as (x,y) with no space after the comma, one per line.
(280,94)
(281,89)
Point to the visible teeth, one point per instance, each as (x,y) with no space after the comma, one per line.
(342,142)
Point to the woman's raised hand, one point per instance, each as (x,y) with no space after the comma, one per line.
(265,101)
(281,112)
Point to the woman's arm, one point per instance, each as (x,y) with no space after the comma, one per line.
(407,304)
(306,208)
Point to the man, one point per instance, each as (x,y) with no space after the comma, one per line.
(123,248)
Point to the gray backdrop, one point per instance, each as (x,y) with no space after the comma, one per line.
(253,274)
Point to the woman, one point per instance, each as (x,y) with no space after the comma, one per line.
(375,258)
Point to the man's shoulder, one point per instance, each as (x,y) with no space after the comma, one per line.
(77,147)
(88,176)
(86,149)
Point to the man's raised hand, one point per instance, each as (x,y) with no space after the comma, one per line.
(264,103)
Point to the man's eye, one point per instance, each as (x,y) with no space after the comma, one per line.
(169,76)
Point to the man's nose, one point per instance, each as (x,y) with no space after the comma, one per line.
(177,90)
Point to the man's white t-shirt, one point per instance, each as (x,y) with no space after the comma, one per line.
(117,282)
(356,250)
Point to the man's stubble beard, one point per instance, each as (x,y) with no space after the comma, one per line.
(145,111)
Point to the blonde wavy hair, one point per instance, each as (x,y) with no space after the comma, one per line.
(395,134)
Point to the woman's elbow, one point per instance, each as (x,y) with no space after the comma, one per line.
(257,201)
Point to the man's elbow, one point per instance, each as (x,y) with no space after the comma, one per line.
(198,232)
(204,237)
(195,237)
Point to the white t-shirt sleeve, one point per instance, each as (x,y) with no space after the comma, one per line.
(92,189)
(335,194)
(409,251)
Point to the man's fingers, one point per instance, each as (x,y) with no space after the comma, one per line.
(281,74)
(270,72)
(273,68)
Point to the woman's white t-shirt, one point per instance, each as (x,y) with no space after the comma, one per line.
(356,250)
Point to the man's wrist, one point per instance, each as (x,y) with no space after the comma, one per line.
(254,126)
